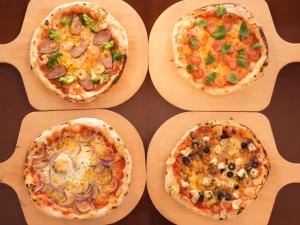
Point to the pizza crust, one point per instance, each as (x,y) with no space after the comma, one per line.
(256,73)
(109,133)
(172,187)
(117,30)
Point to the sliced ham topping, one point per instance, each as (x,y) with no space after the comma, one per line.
(107,62)
(57,71)
(102,36)
(87,84)
(48,46)
(78,51)
(75,27)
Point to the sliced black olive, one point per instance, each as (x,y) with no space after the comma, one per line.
(254,164)
(206,149)
(244,145)
(224,135)
(229,174)
(236,186)
(201,197)
(228,197)
(233,130)
(231,166)
(220,195)
(186,161)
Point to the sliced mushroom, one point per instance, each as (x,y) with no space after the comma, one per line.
(75,27)
(87,84)
(48,47)
(78,51)
(57,71)
(102,36)
(107,61)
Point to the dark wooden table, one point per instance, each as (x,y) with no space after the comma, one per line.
(147,110)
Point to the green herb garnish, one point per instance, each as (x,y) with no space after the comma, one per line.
(54,59)
(242,61)
(117,55)
(210,59)
(201,23)
(66,21)
(225,48)
(232,78)
(191,67)
(257,45)
(219,33)
(210,78)
(85,19)
(244,31)
(193,42)
(221,10)
(242,52)
(67,79)
(108,45)
(95,78)
(105,77)
(53,34)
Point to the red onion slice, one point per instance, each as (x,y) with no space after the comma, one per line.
(39,165)
(39,188)
(116,185)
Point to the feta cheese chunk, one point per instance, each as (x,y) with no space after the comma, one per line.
(207,181)
(184,183)
(195,195)
(251,147)
(205,138)
(236,203)
(214,161)
(241,173)
(221,165)
(235,195)
(186,152)
(208,194)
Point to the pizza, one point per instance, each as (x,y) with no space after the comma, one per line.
(80,169)
(220,49)
(79,51)
(217,169)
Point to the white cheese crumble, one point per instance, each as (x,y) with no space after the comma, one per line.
(241,173)
(214,161)
(251,147)
(221,165)
(195,195)
(235,194)
(207,181)
(205,138)
(236,203)
(184,183)
(186,152)
(208,194)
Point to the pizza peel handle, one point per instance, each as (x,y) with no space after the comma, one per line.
(289,52)
(11,52)
(10,171)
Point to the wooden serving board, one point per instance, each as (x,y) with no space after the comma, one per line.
(17,54)
(176,90)
(11,171)
(282,172)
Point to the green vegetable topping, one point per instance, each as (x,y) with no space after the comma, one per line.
(201,23)
(85,19)
(242,61)
(117,55)
(219,33)
(232,78)
(244,31)
(108,45)
(225,48)
(210,78)
(94,28)
(221,10)
(257,45)
(193,42)
(95,78)
(242,52)
(105,77)
(65,21)
(191,67)
(210,59)
(67,79)
(53,34)
(54,59)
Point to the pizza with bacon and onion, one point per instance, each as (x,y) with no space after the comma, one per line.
(220,49)
(80,169)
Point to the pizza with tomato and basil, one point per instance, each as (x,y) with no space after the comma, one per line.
(220,49)
(217,169)
(79,51)
(78,170)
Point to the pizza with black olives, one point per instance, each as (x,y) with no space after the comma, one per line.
(217,169)
(79,51)
(220,49)
(78,170)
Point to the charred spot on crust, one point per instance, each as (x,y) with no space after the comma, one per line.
(46,22)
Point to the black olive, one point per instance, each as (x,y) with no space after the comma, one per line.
(231,166)
(206,149)
(220,195)
(233,130)
(229,174)
(254,164)
(248,168)
(46,22)
(222,170)
(186,161)
(244,145)
(227,196)
(224,135)
(201,197)
(236,186)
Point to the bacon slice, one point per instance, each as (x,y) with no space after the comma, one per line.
(102,36)
(48,47)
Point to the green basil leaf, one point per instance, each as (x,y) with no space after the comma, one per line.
(54,59)
(53,34)
(191,67)
(219,33)
(201,23)
(242,52)
(65,21)
(210,59)
(242,61)
(85,19)
(221,10)
(110,45)
(225,48)
(95,78)
(117,55)
(257,45)
(244,31)
(193,42)
(232,78)
(210,78)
